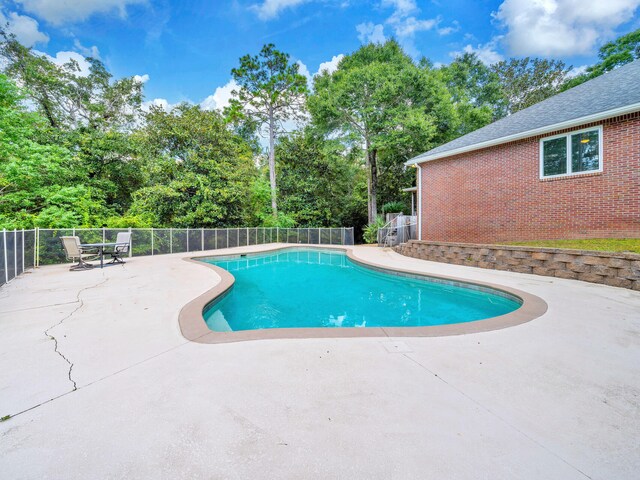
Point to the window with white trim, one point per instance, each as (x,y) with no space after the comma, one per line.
(572,153)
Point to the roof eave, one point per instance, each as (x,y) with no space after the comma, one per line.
(596,117)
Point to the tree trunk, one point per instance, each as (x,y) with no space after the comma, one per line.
(272,165)
(372,183)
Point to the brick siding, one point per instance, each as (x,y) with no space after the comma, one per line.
(495,194)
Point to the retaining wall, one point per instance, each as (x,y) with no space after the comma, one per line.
(614,269)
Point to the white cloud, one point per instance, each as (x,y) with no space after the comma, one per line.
(92,52)
(158,102)
(304,71)
(486,53)
(271,8)
(26,29)
(141,78)
(330,66)
(408,27)
(220,98)
(370,33)
(575,71)
(455,26)
(62,58)
(561,27)
(58,12)
(404,22)
(402,8)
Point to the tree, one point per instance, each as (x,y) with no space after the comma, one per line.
(69,97)
(198,173)
(380,100)
(320,182)
(41,183)
(621,51)
(475,90)
(527,81)
(271,92)
(87,111)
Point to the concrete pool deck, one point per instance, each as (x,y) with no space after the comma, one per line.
(555,398)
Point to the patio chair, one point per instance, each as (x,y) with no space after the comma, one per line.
(75,252)
(123,243)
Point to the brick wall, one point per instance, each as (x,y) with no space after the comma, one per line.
(614,269)
(495,194)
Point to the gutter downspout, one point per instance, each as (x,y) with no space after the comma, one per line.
(419,209)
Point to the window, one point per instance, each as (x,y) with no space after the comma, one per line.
(573,153)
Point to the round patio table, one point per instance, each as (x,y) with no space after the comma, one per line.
(100,247)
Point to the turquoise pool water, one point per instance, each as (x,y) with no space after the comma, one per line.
(297,288)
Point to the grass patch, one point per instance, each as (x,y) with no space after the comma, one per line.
(602,244)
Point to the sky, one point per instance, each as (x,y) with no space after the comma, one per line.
(184,50)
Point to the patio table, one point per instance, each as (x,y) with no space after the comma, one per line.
(100,247)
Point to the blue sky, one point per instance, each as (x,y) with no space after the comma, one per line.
(184,50)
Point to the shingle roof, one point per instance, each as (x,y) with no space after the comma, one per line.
(609,92)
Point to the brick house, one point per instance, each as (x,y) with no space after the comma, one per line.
(567,167)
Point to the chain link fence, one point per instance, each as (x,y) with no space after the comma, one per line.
(159,241)
(21,250)
(17,253)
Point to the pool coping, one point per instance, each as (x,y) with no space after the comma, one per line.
(193,326)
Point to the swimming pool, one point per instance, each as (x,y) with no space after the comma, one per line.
(311,288)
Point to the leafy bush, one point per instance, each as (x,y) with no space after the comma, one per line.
(395,207)
(371,230)
(126,221)
(283,220)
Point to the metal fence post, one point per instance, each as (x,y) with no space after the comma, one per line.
(187,239)
(320,236)
(227,237)
(277,234)
(152,241)
(130,243)
(202,238)
(170,240)
(104,235)
(22,250)
(15,252)
(215,239)
(36,250)
(6,270)
(298,230)
(247,236)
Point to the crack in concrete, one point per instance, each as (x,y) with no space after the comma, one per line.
(55,340)
(37,307)
(496,415)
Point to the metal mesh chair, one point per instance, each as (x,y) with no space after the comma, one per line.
(123,243)
(75,253)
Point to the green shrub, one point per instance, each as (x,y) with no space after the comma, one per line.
(126,221)
(283,220)
(395,207)
(371,230)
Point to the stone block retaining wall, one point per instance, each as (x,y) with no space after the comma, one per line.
(614,269)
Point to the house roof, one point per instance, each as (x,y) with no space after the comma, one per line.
(614,93)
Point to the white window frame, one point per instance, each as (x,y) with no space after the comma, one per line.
(568,140)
